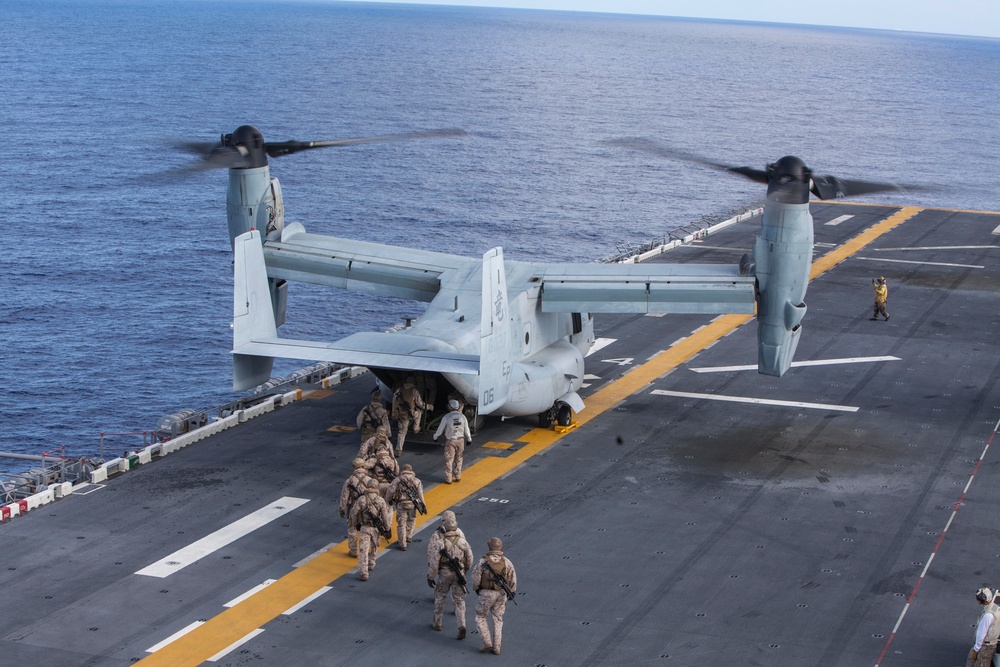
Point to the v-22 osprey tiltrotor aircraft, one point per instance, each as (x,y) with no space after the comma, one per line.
(509,336)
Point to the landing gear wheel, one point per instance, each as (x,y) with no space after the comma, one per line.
(545,419)
(564,415)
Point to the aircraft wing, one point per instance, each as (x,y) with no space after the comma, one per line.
(646,288)
(373,268)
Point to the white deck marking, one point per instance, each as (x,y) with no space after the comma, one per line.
(837,221)
(78,492)
(292,610)
(699,245)
(910,261)
(655,314)
(256,589)
(796,364)
(222,537)
(757,401)
(600,344)
(318,552)
(938,247)
(177,635)
(235,645)
(934,551)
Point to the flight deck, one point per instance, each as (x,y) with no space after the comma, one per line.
(696,513)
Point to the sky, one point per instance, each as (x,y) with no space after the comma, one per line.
(957,17)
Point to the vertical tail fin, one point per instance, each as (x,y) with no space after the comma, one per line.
(494,345)
(253,314)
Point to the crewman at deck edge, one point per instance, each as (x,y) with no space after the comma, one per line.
(987,631)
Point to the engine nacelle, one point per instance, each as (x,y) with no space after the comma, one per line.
(783,258)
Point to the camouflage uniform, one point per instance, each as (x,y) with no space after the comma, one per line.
(353,489)
(407,407)
(366,510)
(434,542)
(443,578)
(384,468)
(492,598)
(881,295)
(373,445)
(455,427)
(372,416)
(406,509)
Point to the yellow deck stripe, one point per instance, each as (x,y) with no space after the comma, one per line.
(841,202)
(497,445)
(235,623)
(840,253)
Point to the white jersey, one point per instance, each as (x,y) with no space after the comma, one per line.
(454,425)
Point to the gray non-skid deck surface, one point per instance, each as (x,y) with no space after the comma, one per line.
(715,532)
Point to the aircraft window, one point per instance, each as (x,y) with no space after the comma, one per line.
(577,323)
(527,337)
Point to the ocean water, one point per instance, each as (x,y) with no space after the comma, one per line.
(116,278)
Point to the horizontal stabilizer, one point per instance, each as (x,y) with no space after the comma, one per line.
(371,349)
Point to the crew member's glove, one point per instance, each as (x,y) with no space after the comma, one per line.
(435,438)
(430,582)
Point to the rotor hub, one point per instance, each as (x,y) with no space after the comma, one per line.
(249,141)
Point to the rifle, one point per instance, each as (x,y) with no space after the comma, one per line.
(503,583)
(456,568)
(376,521)
(412,493)
(386,469)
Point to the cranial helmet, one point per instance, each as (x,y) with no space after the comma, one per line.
(984,595)
(453,404)
(881,279)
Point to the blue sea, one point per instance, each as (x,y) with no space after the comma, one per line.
(116,274)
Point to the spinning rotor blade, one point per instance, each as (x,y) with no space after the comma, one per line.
(278,148)
(831,187)
(654,148)
(245,147)
(786,178)
(214,155)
